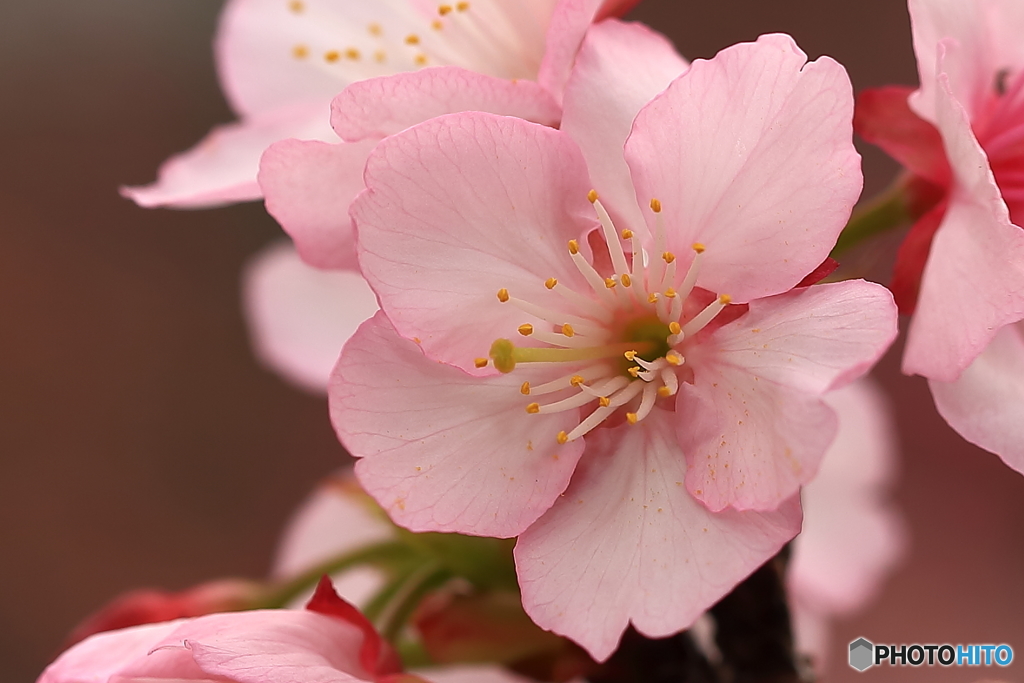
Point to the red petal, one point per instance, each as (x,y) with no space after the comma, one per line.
(911,257)
(820,273)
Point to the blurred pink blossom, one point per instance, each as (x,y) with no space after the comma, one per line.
(852,536)
(685,324)
(961,268)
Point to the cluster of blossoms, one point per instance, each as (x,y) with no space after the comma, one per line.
(562,286)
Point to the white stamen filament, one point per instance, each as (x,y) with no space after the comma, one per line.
(700,320)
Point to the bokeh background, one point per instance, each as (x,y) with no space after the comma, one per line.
(141,443)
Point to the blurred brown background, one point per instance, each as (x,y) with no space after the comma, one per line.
(142,445)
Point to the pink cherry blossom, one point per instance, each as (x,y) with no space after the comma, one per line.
(281,61)
(646,433)
(964,259)
(851,537)
(328,642)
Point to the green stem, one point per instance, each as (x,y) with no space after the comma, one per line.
(407,597)
(388,552)
(884,212)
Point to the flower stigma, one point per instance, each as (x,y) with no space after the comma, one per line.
(622,345)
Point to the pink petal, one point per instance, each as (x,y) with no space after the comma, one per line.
(569,24)
(255,45)
(749,443)
(620,68)
(750,424)
(812,339)
(263,646)
(973,282)
(986,404)
(300,317)
(309,186)
(851,537)
(442,450)
(222,168)
(460,207)
(751,154)
(378,107)
(627,543)
(106,654)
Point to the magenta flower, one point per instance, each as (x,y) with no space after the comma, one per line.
(963,261)
(282,61)
(638,401)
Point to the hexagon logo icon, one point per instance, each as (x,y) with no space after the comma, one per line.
(862,654)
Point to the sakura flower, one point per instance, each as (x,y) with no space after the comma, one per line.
(851,537)
(961,268)
(328,642)
(646,432)
(281,61)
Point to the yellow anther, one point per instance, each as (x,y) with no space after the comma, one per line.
(436,25)
(675,328)
(352,54)
(421,60)
(592,196)
(652,298)
(380,56)
(604,401)
(568,331)
(444,9)
(574,247)
(374,29)
(656,205)
(533,408)
(576,380)
(698,247)
(626,280)
(634,371)
(610,282)
(668,257)
(664,391)
(412,39)
(630,355)
(462,6)
(296,6)
(502,295)
(627,234)
(674,358)
(480,362)
(631,418)
(526,329)
(550,283)
(332,56)
(724,299)
(670,293)
(562,438)
(300,52)
(525,389)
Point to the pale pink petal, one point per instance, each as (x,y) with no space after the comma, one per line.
(442,450)
(262,646)
(256,47)
(627,543)
(300,317)
(334,520)
(986,404)
(222,168)
(460,207)
(973,282)
(812,339)
(751,154)
(812,633)
(749,443)
(569,24)
(851,537)
(378,107)
(620,68)
(96,659)
(309,186)
(987,39)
